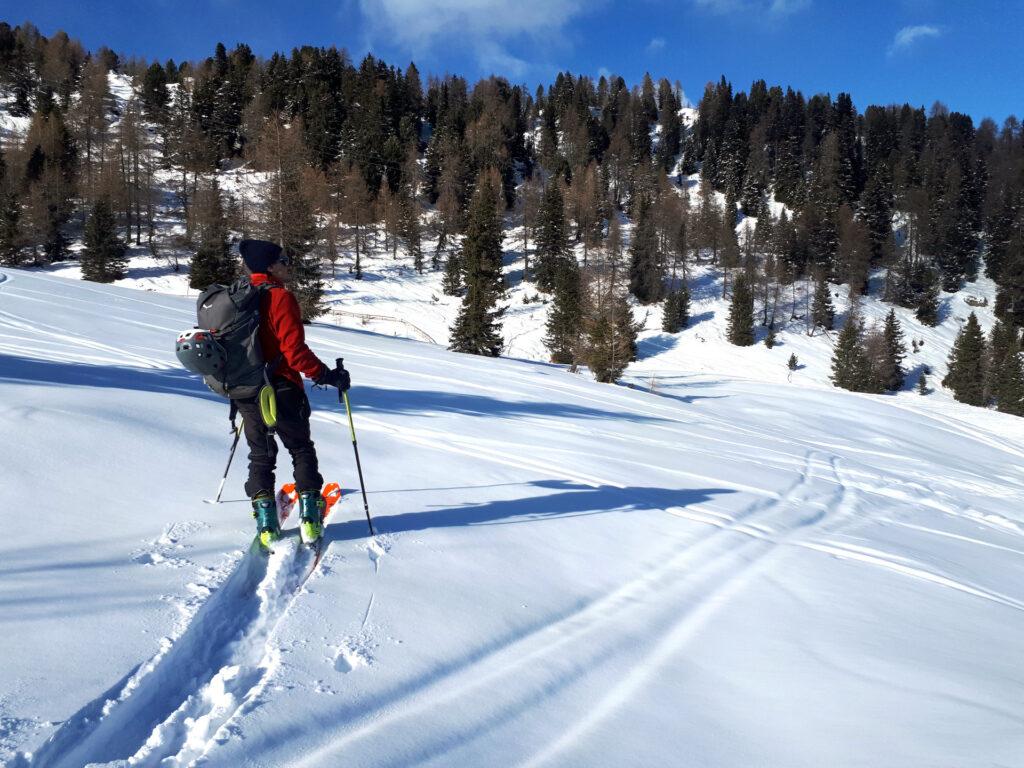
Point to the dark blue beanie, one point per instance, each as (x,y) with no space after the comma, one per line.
(258,254)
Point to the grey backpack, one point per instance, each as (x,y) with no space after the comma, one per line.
(224,348)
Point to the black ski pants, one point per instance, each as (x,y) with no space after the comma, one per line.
(292,427)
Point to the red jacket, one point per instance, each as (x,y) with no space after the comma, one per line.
(282,336)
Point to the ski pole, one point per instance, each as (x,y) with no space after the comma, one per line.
(343,397)
(231,457)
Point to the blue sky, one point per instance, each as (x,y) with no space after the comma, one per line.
(967,54)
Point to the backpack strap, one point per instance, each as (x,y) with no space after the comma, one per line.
(271,365)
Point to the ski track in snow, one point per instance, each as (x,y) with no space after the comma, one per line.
(175,707)
(112,354)
(905,567)
(671,600)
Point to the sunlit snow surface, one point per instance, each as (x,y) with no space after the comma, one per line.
(723,572)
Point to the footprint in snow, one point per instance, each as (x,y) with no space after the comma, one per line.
(353,652)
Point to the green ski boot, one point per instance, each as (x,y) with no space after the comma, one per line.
(311,516)
(264,509)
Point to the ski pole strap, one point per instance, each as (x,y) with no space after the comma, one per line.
(232,414)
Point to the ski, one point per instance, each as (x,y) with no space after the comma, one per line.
(287,497)
(331,495)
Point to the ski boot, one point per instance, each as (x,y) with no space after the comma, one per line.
(264,509)
(311,516)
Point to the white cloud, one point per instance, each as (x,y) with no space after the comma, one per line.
(907,36)
(485,26)
(786,7)
(656,44)
(776,8)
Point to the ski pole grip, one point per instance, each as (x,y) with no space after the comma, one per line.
(339,365)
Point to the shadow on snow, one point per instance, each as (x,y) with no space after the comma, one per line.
(566,499)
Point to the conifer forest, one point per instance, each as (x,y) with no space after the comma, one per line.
(612,194)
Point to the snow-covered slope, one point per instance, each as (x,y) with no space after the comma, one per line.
(723,572)
(394,300)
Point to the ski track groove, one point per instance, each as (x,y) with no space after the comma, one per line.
(475,448)
(175,707)
(950,535)
(906,567)
(84,287)
(478,448)
(75,340)
(684,628)
(676,596)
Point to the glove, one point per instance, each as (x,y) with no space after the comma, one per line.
(335,377)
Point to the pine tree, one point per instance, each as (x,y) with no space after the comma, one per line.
(851,368)
(1003,362)
(155,95)
(212,262)
(409,230)
(769,339)
(49,182)
(451,282)
(409,207)
(728,241)
(928,301)
(741,313)
(853,257)
(1010,391)
(552,243)
(565,315)
(922,385)
(12,253)
(611,338)
(529,206)
(876,208)
(823,313)
(104,259)
(1010,296)
(891,374)
(966,375)
(822,209)
(676,313)
(476,329)
(645,268)
(793,363)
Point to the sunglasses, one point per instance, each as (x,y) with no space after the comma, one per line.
(284,259)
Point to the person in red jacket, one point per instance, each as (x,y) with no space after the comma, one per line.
(283,341)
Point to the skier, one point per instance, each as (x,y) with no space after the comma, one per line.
(283,342)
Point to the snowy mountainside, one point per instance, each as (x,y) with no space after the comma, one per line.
(393,299)
(722,572)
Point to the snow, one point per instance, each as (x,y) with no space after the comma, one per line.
(12,128)
(703,346)
(121,89)
(729,570)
